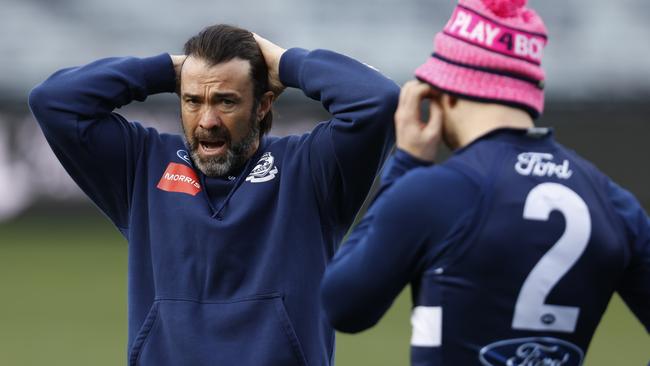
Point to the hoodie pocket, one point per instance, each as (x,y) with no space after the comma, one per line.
(250,331)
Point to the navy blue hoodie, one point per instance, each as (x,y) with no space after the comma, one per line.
(223,271)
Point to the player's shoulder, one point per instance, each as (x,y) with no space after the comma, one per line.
(269,140)
(289,146)
(625,207)
(296,142)
(593,176)
(629,210)
(583,163)
(445,174)
(479,160)
(432,201)
(437,188)
(165,140)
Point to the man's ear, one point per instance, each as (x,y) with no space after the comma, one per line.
(265,105)
(448,101)
(453,100)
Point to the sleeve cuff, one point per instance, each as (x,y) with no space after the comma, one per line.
(291,65)
(409,160)
(400,163)
(159,74)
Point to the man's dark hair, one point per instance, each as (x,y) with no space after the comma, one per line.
(222,43)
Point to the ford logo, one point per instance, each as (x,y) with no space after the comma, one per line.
(535,351)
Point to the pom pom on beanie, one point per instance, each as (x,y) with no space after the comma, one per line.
(505,8)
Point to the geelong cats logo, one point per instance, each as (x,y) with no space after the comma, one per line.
(264,171)
(184,156)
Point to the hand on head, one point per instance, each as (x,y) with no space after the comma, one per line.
(272,54)
(178,61)
(415,136)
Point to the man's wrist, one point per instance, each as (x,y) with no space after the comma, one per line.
(410,159)
(177,61)
(399,164)
(290,66)
(159,74)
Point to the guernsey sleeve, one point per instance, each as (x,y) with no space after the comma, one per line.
(399,164)
(634,287)
(407,228)
(98,148)
(347,151)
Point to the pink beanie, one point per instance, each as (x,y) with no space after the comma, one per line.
(490,50)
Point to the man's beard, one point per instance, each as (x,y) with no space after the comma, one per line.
(236,155)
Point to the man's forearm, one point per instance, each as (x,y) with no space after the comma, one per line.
(96,89)
(348,89)
(73,108)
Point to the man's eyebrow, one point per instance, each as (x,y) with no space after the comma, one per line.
(224,95)
(217,96)
(214,96)
(191,96)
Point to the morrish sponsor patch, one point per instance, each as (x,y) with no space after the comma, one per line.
(179,178)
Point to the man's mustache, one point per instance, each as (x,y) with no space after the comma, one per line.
(215,133)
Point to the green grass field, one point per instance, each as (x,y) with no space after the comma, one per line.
(63,285)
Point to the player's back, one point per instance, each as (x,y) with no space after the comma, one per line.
(528,281)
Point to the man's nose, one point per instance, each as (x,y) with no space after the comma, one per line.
(209,119)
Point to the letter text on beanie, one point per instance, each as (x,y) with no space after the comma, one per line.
(467,25)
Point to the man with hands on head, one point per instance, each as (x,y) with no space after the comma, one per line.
(513,246)
(229,229)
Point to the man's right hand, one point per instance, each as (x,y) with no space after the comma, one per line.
(416,137)
(178,60)
(272,54)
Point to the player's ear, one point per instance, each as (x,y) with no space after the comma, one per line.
(265,105)
(453,101)
(448,101)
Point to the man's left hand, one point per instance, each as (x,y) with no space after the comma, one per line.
(418,138)
(272,54)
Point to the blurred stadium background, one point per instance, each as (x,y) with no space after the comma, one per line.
(63,267)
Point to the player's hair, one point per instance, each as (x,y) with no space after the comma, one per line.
(221,43)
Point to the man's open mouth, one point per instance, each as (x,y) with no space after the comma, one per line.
(212,147)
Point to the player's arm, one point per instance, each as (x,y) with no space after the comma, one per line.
(634,287)
(74,108)
(405,228)
(348,150)
(404,232)
(399,163)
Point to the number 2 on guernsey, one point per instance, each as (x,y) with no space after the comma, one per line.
(531,311)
